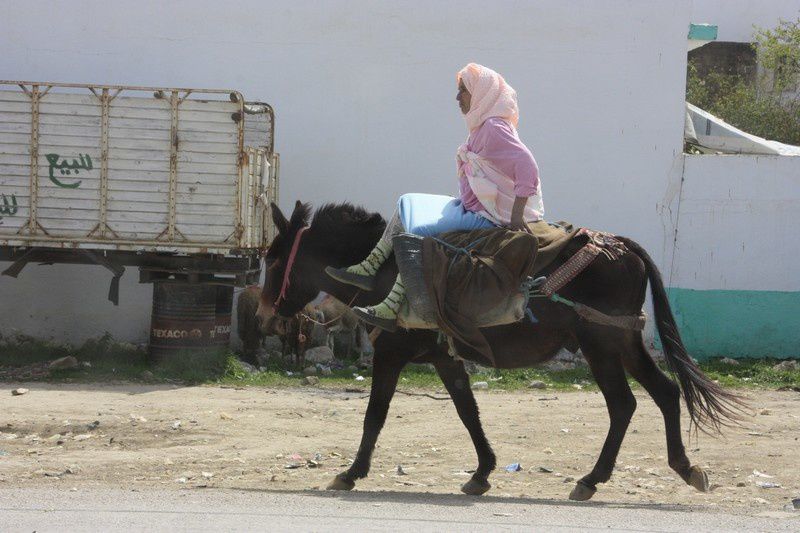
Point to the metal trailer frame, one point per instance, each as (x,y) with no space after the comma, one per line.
(236,261)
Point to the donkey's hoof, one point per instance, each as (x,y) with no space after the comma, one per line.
(341,482)
(698,479)
(582,492)
(475,487)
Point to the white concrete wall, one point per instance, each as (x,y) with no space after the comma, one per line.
(735,18)
(737,228)
(68,303)
(365,98)
(735,279)
(736,211)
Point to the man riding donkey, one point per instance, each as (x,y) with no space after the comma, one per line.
(498,186)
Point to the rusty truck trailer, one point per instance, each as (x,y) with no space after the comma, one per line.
(152,177)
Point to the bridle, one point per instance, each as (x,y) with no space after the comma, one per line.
(289,265)
(285,285)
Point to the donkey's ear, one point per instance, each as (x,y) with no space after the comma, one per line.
(277,217)
(300,214)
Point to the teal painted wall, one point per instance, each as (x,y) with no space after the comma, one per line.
(703,32)
(737,323)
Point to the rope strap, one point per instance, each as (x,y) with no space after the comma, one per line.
(467,250)
(590,314)
(631,322)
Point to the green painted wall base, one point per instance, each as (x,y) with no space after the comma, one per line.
(737,323)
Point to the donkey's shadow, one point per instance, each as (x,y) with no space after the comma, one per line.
(462,500)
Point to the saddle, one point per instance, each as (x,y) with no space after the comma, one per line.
(462,281)
(418,311)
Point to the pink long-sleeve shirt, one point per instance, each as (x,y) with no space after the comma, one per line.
(497,141)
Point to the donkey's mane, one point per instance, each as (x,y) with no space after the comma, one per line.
(334,216)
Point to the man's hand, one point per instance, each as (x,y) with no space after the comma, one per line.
(517,220)
(519,225)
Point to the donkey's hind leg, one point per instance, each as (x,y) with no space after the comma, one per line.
(666,394)
(601,350)
(456,381)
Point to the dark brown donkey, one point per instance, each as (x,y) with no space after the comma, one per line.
(341,235)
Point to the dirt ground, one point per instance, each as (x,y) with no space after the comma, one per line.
(136,437)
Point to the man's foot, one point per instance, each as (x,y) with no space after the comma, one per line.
(380,315)
(351,276)
(363,274)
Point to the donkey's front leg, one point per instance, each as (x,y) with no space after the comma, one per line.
(385,372)
(456,380)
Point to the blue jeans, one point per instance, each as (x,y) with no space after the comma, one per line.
(427,215)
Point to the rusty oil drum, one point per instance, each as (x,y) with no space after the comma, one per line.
(222,322)
(184,318)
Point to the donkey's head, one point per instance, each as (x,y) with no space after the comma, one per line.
(339,235)
(288,284)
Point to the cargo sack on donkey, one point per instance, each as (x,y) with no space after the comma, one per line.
(461,281)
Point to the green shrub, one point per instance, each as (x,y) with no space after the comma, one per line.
(769,107)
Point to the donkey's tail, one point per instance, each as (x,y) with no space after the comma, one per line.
(710,406)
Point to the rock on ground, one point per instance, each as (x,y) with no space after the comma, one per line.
(318,335)
(559,365)
(63,363)
(320,354)
(787,366)
(250,369)
(273,344)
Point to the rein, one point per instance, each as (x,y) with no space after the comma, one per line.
(331,321)
(289,265)
(286,283)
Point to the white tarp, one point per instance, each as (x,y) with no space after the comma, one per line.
(713,133)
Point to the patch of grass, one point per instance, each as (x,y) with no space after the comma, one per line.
(110,360)
(414,377)
(278,374)
(759,373)
(422,377)
(194,366)
(101,359)
(21,350)
(105,359)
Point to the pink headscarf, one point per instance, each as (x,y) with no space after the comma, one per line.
(491,96)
